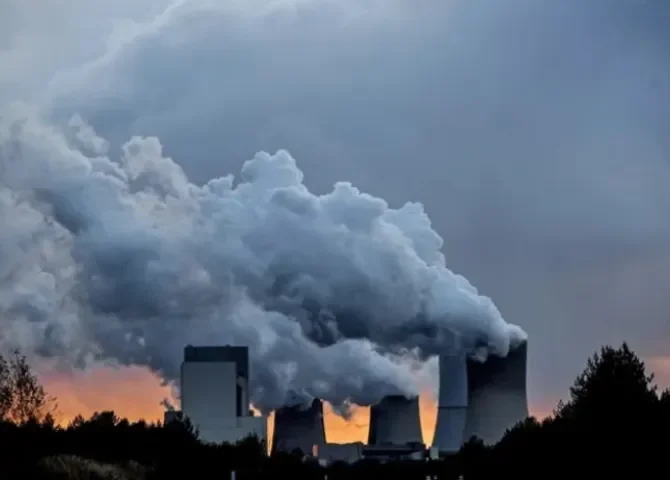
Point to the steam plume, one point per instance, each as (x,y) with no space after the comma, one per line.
(124,259)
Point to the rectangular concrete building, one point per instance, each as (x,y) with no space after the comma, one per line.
(215,394)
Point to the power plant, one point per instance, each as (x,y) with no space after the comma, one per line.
(299,428)
(452,404)
(497,398)
(395,421)
(480,399)
(215,394)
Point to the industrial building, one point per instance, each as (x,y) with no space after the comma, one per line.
(341,452)
(480,399)
(497,398)
(395,432)
(353,452)
(386,453)
(452,404)
(299,427)
(215,394)
(395,421)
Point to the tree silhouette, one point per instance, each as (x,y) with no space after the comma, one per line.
(6,390)
(613,420)
(102,421)
(664,410)
(22,397)
(614,392)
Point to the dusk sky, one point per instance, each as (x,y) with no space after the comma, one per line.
(534,132)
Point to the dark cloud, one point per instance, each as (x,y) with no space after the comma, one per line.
(534,132)
(125,259)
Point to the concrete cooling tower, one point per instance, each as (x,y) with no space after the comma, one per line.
(496,395)
(452,404)
(299,428)
(395,420)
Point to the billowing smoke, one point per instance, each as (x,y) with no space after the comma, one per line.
(125,260)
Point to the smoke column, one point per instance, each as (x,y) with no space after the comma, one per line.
(122,259)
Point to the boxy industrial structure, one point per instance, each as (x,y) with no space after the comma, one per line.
(481,399)
(215,394)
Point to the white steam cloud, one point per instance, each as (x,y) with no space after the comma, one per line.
(125,259)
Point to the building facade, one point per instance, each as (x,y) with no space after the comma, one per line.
(215,394)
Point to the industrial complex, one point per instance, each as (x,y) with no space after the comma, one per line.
(480,399)
(476,399)
(299,428)
(215,394)
(496,395)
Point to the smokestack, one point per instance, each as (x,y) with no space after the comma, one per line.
(299,428)
(497,398)
(395,420)
(452,404)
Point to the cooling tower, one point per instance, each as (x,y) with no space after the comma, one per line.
(452,404)
(299,428)
(496,395)
(395,420)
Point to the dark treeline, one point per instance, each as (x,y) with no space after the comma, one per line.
(614,422)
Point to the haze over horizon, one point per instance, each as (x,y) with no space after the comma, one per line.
(534,133)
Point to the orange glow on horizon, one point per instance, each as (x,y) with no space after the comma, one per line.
(135,393)
(131,392)
(661,368)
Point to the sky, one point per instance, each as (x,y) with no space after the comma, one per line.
(534,132)
(91,392)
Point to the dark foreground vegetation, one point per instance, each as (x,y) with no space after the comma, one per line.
(614,424)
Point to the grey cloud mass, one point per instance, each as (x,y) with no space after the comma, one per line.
(534,132)
(127,260)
